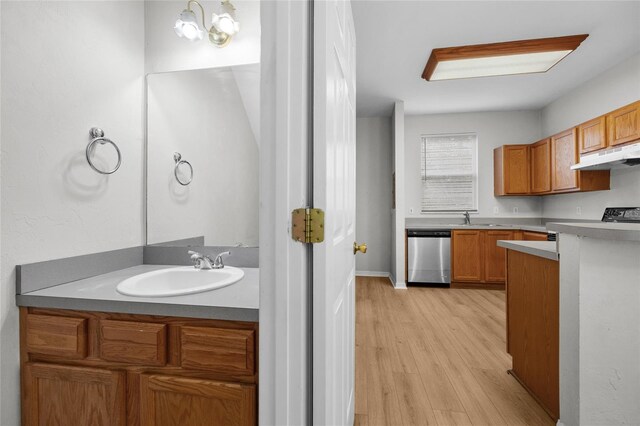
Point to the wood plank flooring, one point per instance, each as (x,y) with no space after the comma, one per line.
(435,356)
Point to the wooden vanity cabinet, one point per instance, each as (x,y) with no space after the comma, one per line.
(541,167)
(511,170)
(476,259)
(99,369)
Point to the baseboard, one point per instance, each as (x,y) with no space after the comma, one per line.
(478,286)
(373,274)
(400,285)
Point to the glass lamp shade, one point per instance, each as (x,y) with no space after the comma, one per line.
(225,21)
(187,26)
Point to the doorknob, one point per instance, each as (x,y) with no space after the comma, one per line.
(362,248)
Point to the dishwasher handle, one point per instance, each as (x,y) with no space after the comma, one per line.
(429,233)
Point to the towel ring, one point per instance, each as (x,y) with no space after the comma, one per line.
(97,136)
(177,157)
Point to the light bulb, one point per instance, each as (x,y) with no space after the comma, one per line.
(187,26)
(225,21)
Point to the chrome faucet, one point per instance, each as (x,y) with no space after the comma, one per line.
(204,262)
(467,219)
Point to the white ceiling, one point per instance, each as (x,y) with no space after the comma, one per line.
(395,38)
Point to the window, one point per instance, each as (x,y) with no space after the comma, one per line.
(449,173)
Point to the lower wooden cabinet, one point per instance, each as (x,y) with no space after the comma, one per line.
(172,401)
(533,326)
(466,256)
(534,236)
(66,395)
(476,259)
(107,369)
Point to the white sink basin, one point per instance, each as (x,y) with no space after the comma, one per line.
(178,281)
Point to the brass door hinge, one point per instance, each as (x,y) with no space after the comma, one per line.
(307,225)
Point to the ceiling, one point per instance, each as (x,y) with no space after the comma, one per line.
(395,38)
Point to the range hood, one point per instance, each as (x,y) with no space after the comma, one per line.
(613,158)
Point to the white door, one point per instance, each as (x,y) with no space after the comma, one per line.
(334,192)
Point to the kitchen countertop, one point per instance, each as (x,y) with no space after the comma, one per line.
(237,302)
(600,230)
(534,228)
(546,249)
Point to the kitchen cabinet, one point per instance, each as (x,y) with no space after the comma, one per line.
(541,167)
(466,256)
(623,125)
(564,154)
(592,135)
(494,256)
(533,299)
(534,236)
(120,369)
(511,170)
(476,260)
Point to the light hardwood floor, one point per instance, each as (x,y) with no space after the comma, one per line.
(435,356)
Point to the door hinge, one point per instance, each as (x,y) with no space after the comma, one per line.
(307,225)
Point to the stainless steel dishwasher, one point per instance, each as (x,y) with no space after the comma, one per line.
(429,256)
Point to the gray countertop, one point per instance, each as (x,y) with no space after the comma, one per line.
(421,226)
(600,230)
(546,249)
(237,302)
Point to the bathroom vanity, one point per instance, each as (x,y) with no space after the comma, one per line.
(81,367)
(91,355)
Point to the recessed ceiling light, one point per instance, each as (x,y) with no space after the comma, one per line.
(511,57)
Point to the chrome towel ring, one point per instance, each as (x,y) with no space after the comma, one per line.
(97,136)
(177,157)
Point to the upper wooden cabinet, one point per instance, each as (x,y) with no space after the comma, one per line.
(564,154)
(623,125)
(511,170)
(592,135)
(541,166)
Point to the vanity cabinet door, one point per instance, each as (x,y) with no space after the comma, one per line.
(64,395)
(173,400)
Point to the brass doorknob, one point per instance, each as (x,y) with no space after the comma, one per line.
(362,248)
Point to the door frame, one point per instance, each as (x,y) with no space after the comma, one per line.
(285,381)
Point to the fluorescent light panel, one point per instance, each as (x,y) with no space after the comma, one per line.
(516,57)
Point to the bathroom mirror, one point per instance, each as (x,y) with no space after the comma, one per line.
(202,157)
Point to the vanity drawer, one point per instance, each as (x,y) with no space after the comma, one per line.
(56,335)
(133,342)
(218,349)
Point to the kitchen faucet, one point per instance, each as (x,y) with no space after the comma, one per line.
(467,219)
(204,262)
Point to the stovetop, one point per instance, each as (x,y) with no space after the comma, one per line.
(622,214)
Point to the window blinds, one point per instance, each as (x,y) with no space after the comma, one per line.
(449,172)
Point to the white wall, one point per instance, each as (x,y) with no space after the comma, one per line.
(58,80)
(614,88)
(201,115)
(494,129)
(397,217)
(373,197)
(167,52)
